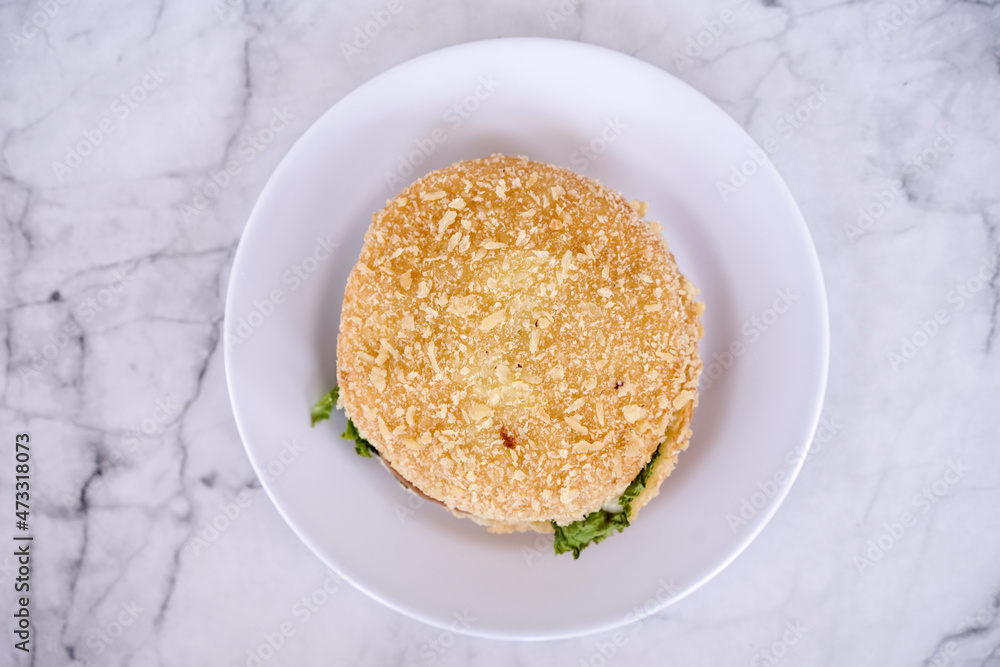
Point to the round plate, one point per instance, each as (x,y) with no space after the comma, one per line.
(638,130)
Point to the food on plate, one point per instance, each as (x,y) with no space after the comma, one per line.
(517,344)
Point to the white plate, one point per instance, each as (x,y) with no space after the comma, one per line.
(664,143)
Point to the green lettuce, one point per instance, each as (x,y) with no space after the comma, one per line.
(600,525)
(591,529)
(633,490)
(322,410)
(361,446)
(325,406)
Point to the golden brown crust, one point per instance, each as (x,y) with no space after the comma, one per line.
(679,435)
(515,341)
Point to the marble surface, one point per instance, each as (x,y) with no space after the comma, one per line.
(116,247)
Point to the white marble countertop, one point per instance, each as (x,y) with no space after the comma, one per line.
(115,251)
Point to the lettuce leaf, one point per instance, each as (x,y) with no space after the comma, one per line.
(593,528)
(325,406)
(598,526)
(633,490)
(361,446)
(321,411)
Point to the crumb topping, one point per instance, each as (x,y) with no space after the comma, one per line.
(515,340)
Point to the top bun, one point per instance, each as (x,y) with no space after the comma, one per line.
(516,340)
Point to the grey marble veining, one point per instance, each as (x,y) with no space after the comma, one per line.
(117,236)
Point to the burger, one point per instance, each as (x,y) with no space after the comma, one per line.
(518,345)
